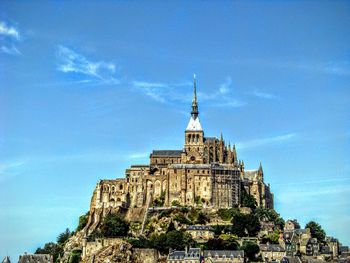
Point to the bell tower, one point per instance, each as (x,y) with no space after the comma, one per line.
(194,135)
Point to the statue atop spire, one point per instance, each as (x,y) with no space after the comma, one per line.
(194,111)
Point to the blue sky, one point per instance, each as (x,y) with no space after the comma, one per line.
(88,88)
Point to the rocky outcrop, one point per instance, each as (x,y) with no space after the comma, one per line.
(119,251)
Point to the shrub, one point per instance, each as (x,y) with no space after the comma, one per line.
(181,218)
(227,214)
(63,237)
(248,200)
(114,226)
(316,230)
(75,256)
(243,225)
(202,218)
(83,221)
(175,203)
(250,250)
(164,213)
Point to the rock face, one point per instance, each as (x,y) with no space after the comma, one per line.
(118,250)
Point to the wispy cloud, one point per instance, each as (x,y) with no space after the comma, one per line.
(74,63)
(10,169)
(264,141)
(9,31)
(10,50)
(139,155)
(162,92)
(225,87)
(182,92)
(339,67)
(9,35)
(144,84)
(264,95)
(230,103)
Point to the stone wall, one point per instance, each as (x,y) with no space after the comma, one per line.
(145,255)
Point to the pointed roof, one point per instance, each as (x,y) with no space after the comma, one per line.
(6,260)
(194,124)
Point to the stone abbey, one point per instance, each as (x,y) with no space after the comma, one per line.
(206,173)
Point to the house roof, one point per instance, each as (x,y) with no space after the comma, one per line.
(221,253)
(271,247)
(176,255)
(291,260)
(192,253)
(199,227)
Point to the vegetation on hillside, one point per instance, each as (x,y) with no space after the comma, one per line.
(316,230)
(55,249)
(166,229)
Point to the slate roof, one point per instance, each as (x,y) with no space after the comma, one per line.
(166,153)
(6,260)
(221,253)
(191,166)
(271,247)
(176,255)
(197,227)
(211,139)
(192,253)
(290,260)
(35,258)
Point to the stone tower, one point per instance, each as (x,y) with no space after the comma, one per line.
(194,135)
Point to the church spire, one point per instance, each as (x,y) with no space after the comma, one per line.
(194,111)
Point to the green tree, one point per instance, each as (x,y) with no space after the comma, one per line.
(64,236)
(230,244)
(271,238)
(75,256)
(174,239)
(251,249)
(51,248)
(171,227)
(175,203)
(243,225)
(248,200)
(227,214)
(181,218)
(159,242)
(140,242)
(316,230)
(202,218)
(270,215)
(215,244)
(114,226)
(188,240)
(83,221)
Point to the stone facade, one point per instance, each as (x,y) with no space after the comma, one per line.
(205,172)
